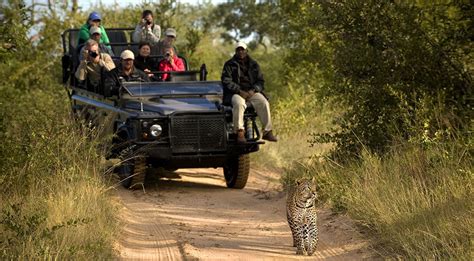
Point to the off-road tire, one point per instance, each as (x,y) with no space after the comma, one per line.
(236,172)
(132,172)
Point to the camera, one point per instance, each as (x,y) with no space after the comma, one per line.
(93,54)
(167,54)
(148,22)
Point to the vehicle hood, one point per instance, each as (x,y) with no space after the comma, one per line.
(166,106)
(167,98)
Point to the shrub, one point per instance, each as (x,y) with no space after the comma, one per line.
(382,60)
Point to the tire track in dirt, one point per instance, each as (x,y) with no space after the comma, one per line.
(197,218)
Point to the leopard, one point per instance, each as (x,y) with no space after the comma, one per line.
(302,216)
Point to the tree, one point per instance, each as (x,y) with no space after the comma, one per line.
(242,19)
(394,67)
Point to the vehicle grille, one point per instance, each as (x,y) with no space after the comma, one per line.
(198,133)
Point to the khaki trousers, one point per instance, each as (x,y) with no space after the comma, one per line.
(259,103)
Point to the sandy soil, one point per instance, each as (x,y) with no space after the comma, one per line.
(197,218)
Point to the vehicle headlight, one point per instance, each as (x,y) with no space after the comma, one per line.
(155,130)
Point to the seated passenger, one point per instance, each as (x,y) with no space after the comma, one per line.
(143,61)
(159,48)
(95,35)
(147,30)
(92,64)
(243,83)
(127,70)
(171,63)
(93,20)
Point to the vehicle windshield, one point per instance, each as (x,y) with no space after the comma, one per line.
(173,89)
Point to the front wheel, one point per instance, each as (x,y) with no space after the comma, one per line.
(132,172)
(236,171)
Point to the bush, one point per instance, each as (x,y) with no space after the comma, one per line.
(382,60)
(53,194)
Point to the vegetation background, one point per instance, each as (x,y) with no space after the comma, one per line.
(371,98)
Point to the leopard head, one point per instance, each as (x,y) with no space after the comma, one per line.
(305,193)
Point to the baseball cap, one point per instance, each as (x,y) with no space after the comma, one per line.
(241,44)
(94,16)
(94,30)
(127,54)
(170,32)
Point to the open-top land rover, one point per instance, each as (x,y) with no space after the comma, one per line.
(180,123)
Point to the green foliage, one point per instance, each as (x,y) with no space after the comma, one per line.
(52,195)
(12,38)
(242,19)
(383,60)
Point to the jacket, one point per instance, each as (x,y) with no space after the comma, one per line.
(84,35)
(231,78)
(165,66)
(151,36)
(137,75)
(92,71)
(143,63)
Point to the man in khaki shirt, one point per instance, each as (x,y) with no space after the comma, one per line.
(92,63)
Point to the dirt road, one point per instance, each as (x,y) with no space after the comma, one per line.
(197,218)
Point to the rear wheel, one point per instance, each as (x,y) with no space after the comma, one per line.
(236,172)
(132,172)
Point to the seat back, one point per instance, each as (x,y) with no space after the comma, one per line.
(118,41)
(183,76)
(72,39)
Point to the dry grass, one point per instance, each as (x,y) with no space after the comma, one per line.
(416,202)
(294,118)
(54,202)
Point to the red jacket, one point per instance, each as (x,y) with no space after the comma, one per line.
(165,66)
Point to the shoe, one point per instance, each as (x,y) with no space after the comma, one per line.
(268,135)
(241,136)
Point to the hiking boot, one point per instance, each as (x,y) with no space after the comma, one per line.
(268,135)
(241,136)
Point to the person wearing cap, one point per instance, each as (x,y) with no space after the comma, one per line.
(95,34)
(168,41)
(171,63)
(94,19)
(147,30)
(91,66)
(127,71)
(243,84)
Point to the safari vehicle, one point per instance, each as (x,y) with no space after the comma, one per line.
(175,124)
